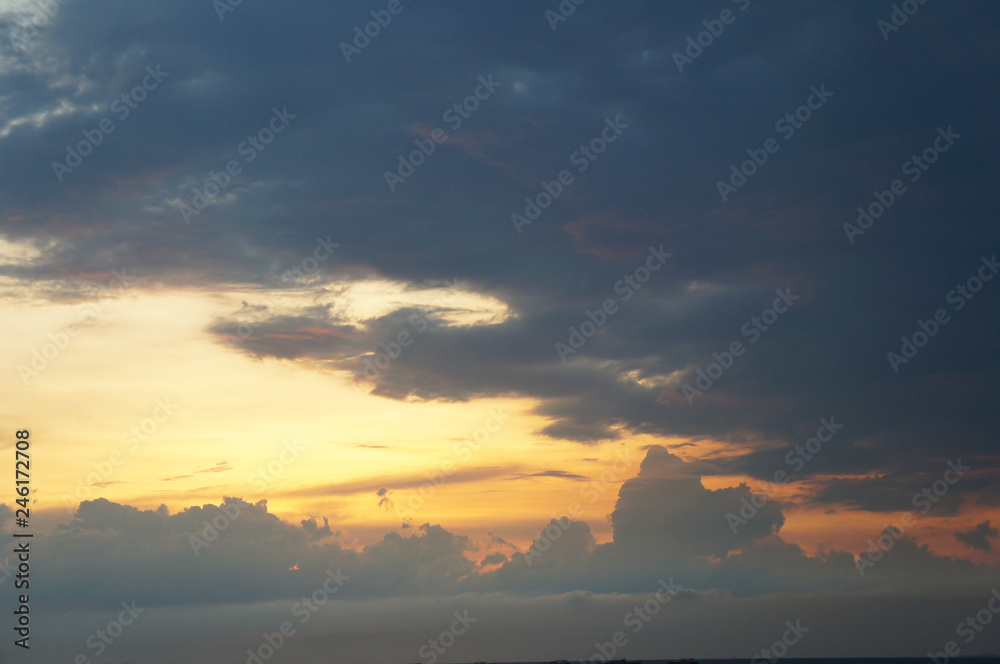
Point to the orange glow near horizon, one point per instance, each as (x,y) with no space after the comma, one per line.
(313,446)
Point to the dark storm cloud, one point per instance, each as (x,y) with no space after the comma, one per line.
(323,177)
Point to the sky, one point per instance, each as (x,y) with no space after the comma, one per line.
(441,331)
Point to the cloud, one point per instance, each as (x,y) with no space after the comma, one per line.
(323,177)
(566,625)
(383,485)
(666,512)
(497,540)
(236,551)
(220,467)
(562,474)
(451,218)
(665,523)
(318,532)
(980,537)
(494,559)
(384,501)
(903,487)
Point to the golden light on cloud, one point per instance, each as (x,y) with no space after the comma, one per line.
(358,301)
(154,410)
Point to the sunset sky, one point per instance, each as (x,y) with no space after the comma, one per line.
(512,308)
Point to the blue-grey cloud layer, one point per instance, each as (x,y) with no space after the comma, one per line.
(323,176)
